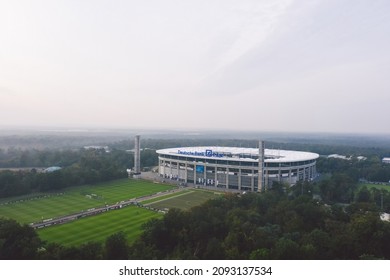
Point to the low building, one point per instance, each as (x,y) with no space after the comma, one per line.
(236,168)
(385,217)
(386,160)
(339,156)
(52,169)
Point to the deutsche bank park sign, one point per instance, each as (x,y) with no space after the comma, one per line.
(207,153)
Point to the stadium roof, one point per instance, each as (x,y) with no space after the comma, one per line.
(239,154)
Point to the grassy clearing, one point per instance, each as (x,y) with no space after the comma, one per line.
(76,199)
(186,200)
(128,219)
(376,186)
(22,197)
(98,228)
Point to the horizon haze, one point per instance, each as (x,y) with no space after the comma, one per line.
(276,66)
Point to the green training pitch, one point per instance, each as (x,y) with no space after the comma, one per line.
(129,219)
(375,186)
(98,228)
(76,199)
(185,200)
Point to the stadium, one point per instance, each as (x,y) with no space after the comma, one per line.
(236,168)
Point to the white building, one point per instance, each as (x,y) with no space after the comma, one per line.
(339,156)
(386,160)
(385,217)
(235,168)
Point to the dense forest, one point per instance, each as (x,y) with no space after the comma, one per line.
(89,166)
(278,224)
(79,167)
(331,218)
(273,225)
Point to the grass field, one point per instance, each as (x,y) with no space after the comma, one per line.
(128,219)
(76,199)
(376,186)
(99,227)
(185,200)
(34,207)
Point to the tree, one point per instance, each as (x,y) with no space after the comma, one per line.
(116,247)
(339,188)
(302,188)
(91,251)
(286,249)
(260,254)
(320,242)
(364,195)
(17,241)
(214,250)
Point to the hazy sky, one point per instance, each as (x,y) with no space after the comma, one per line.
(318,65)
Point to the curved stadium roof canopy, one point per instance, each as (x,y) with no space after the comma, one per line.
(239,154)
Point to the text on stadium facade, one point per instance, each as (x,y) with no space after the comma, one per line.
(207,153)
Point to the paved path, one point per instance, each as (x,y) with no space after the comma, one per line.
(169,198)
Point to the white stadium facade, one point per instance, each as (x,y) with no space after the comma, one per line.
(236,168)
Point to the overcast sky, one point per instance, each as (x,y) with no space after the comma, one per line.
(263,65)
